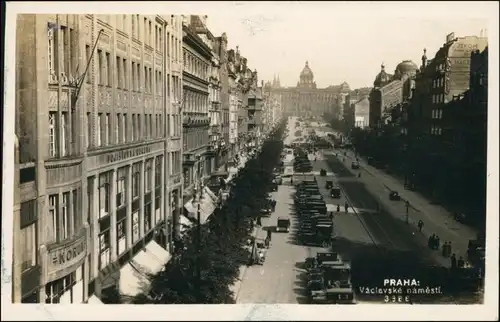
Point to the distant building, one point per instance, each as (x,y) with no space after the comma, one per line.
(361,111)
(307,100)
(390,90)
(442,83)
(352,98)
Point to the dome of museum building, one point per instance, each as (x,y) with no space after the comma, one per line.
(407,67)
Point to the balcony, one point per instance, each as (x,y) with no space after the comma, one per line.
(252,120)
(188,160)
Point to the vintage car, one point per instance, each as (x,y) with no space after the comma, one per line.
(322,172)
(335,192)
(283,224)
(274,186)
(329,184)
(394,195)
(278,179)
(354,165)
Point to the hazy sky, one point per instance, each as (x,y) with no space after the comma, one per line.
(343,41)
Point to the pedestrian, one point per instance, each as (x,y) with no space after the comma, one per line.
(453,261)
(259,222)
(338,207)
(291,180)
(445,249)
(448,251)
(430,241)
(436,247)
(331,215)
(420,225)
(346,207)
(460,262)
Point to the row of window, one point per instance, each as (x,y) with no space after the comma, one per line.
(437,98)
(62,56)
(64,215)
(196,102)
(195,138)
(437,113)
(153,128)
(213,94)
(195,65)
(436,130)
(63,290)
(438,83)
(62,134)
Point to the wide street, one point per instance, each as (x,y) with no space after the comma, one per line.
(279,280)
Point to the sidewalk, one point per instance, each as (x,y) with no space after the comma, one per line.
(243,268)
(436,219)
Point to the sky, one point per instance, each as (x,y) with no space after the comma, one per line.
(343,41)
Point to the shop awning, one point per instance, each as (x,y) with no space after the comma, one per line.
(207,208)
(146,262)
(94,300)
(132,280)
(185,223)
(159,252)
(211,194)
(189,206)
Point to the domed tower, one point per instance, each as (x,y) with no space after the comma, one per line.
(406,68)
(382,78)
(306,77)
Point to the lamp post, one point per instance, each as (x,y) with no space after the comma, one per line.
(407,206)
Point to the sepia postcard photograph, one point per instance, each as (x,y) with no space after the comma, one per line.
(242,160)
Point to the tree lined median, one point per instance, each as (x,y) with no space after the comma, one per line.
(221,249)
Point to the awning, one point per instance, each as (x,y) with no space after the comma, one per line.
(207,208)
(190,207)
(185,223)
(210,193)
(159,252)
(132,280)
(147,263)
(94,300)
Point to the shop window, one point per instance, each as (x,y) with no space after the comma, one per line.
(148,175)
(136,180)
(158,173)
(104,192)
(121,237)
(121,184)
(147,218)
(55,290)
(104,249)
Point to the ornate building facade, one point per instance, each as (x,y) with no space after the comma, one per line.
(93,150)
(307,100)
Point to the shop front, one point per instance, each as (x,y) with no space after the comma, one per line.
(63,270)
(147,260)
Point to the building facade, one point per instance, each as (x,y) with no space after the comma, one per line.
(273,109)
(307,100)
(441,80)
(390,90)
(221,51)
(197,151)
(92,186)
(235,100)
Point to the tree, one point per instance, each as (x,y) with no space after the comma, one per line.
(221,250)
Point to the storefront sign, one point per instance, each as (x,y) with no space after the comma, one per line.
(66,255)
(129,153)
